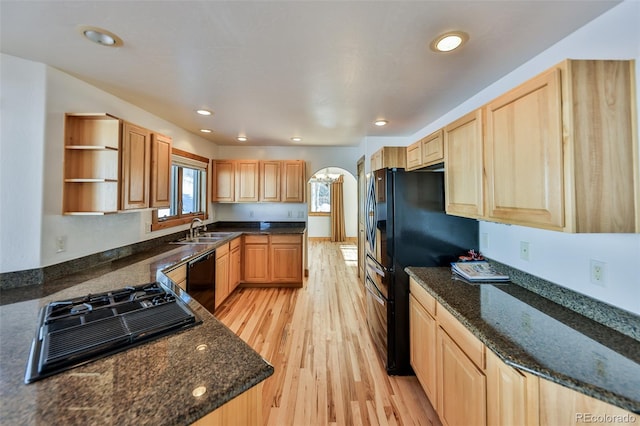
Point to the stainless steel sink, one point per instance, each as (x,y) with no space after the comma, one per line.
(205,238)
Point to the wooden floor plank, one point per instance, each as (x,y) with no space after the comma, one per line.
(326,368)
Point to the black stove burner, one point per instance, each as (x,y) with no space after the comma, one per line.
(76,331)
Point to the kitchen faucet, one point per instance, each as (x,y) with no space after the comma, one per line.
(191,227)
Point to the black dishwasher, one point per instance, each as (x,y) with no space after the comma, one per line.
(201,276)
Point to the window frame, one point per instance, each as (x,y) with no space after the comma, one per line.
(310,203)
(181,219)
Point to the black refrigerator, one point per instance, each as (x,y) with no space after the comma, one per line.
(405,226)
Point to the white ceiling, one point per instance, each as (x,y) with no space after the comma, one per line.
(322,70)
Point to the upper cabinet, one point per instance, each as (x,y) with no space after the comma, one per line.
(91,164)
(463,166)
(558,152)
(160,170)
(108,166)
(389,157)
(426,152)
(258,181)
(293,181)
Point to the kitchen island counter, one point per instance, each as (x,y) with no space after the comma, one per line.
(176,379)
(537,335)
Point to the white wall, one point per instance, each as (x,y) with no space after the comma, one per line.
(32,161)
(558,257)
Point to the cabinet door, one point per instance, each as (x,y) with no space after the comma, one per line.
(247,172)
(461,386)
(270,181)
(256,263)
(293,181)
(432,148)
(523,154)
(224,172)
(286,263)
(160,170)
(563,406)
(136,151)
(235,265)
(222,278)
(414,155)
(512,395)
(463,171)
(423,341)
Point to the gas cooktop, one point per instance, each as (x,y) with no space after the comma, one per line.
(75,331)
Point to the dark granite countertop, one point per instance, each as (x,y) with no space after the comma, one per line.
(260,227)
(537,335)
(149,384)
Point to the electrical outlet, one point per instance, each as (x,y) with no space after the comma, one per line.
(61,244)
(484,240)
(598,270)
(147,227)
(524,250)
(250,213)
(289,213)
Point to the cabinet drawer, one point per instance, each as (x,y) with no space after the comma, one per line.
(286,239)
(235,244)
(178,276)
(222,250)
(426,300)
(469,343)
(256,239)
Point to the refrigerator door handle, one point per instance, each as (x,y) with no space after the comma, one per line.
(373,290)
(374,265)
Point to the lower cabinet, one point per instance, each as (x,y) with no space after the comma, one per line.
(179,276)
(245,409)
(462,387)
(512,394)
(273,260)
(222,274)
(235,263)
(423,341)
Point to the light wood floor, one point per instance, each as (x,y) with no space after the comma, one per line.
(326,370)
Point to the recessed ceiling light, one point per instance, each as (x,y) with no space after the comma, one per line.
(100,36)
(380,123)
(242,138)
(449,41)
(296,139)
(206,130)
(204,112)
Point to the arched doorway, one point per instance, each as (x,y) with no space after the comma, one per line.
(319,205)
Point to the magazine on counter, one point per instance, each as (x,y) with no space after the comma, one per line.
(480,271)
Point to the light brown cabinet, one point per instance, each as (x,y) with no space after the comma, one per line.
(389,157)
(293,181)
(258,181)
(560,150)
(222,274)
(270,181)
(91,164)
(426,152)
(235,263)
(256,258)
(563,406)
(179,276)
(423,331)
(512,394)
(160,170)
(245,409)
(224,181)
(273,260)
(286,258)
(463,171)
(136,164)
(247,177)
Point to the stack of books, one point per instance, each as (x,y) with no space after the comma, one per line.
(477,272)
